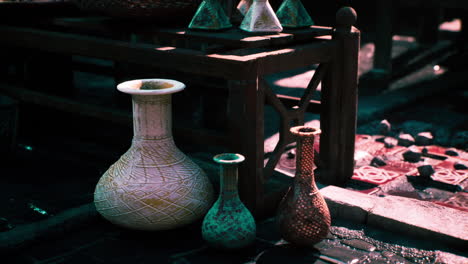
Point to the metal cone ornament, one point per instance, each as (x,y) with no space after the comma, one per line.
(244,6)
(293,14)
(261,18)
(210,16)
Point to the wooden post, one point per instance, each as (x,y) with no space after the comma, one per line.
(463,39)
(430,18)
(245,115)
(383,43)
(339,103)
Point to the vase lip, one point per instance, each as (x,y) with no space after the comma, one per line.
(229,158)
(155,86)
(305,131)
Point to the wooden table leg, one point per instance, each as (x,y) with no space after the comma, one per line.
(430,18)
(462,41)
(245,114)
(339,104)
(383,42)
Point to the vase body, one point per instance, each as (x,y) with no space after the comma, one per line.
(244,6)
(303,217)
(153,186)
(261,18)
(211,15)
(229,224)
(293,14)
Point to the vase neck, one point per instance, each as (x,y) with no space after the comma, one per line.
(152,117)
(305,160)
(229,178)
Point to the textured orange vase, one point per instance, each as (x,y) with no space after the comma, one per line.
(303,217)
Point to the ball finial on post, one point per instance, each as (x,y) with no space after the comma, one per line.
(346,17)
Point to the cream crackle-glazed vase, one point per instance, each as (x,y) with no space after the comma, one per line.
(153,186)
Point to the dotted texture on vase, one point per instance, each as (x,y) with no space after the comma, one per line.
(303,216)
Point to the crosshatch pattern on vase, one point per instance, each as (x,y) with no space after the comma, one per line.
(129,195)
(154,185)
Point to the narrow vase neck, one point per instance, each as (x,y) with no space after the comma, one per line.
(229,178)
(305,160)
(152,117)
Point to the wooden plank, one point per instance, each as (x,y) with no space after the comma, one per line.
(297,56)
(245,115)
(309,33)
(277,60)
(58,225)
(435,3)
(201,136)
(178,59)
(383,42)
(26,10)
(238,38)
(291,101)
(66,105)
(233,37)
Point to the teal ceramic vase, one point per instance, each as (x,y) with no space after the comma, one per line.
(293,14)
(229,224)
(211,15)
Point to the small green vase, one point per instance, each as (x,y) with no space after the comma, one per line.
(293,14)
(210,15)
(229,224)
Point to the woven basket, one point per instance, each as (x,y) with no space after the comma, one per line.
(152,9)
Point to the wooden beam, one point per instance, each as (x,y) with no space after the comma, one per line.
(291,101)
(173,58)
(201,136)
(58,225)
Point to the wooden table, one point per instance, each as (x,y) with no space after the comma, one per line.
(237,57)
(428,16)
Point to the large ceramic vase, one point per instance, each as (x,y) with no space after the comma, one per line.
(229,224)
(303,217)
(260,18)
(153,186)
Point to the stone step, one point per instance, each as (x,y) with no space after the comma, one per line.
(408,216)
